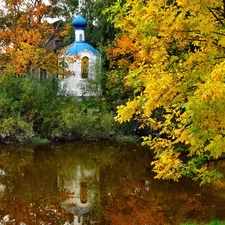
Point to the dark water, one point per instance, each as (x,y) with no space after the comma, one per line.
(97,183)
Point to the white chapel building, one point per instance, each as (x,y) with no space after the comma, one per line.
(84,62)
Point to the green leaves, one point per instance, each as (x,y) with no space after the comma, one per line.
(31,107)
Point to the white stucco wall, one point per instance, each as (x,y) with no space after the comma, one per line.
(75,84)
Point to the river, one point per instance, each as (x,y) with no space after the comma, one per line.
(97,183)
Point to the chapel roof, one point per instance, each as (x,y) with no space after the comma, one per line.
(79,23)
(79,46)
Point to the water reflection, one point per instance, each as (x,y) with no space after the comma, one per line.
(96,183)
(83,184)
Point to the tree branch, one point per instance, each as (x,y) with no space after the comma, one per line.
(218,19)
(215,160)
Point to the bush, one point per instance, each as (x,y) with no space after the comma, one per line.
(214,222)
(31,108)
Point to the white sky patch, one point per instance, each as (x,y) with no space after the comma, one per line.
(51,20)
(2,6)
(3,10)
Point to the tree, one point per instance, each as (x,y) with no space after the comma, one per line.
(122,54)
(66,8)
(178,82)
(99,30)
(24,35)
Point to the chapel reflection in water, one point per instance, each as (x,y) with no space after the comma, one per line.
(96,183)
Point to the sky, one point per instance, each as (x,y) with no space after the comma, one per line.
(50,20)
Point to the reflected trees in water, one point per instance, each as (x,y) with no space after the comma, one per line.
(29,192)
(35,182)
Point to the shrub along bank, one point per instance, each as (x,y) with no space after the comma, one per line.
(32,109)
(214,222)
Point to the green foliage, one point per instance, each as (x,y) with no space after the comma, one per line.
(32,110)
(99,30)
(36,140)
(65,8)
(214,222)
(86,123)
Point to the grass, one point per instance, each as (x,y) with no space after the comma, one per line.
(214,222)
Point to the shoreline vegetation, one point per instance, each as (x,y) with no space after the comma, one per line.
(39,111)
(213,222)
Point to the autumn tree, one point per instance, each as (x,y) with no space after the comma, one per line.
(25,34)
(178,81)
(122,54)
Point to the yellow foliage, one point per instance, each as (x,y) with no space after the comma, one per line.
(24,36)
(167,166)
(180,67)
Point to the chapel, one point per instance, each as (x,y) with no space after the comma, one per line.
(83,61)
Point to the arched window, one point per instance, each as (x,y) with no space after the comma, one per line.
(84,67)
(80,37)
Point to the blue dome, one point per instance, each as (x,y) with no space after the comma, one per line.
(79,46)
(79,22)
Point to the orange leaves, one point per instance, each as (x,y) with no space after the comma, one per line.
(65,30)
(123,53)
(123,56)
(139,207)
(24,40)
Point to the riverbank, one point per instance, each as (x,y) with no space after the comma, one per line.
(214,222)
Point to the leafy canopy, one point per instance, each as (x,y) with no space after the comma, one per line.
(178,76)
(25,35)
